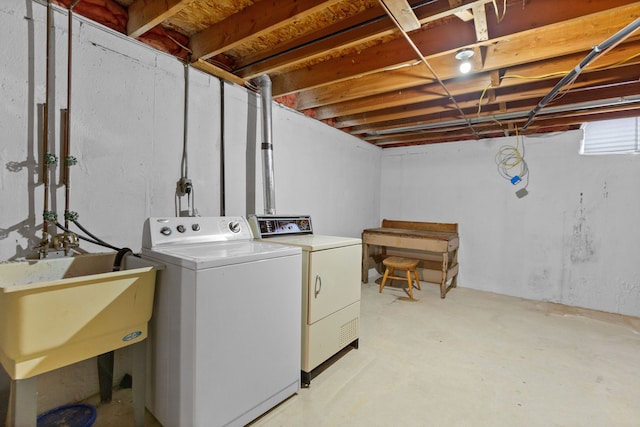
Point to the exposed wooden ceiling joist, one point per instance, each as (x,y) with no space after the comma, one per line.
(344,62)
(146,14)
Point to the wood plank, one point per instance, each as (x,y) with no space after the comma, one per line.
(419,234)
(146,14)
(209,68)
(462,9)
(402,13)
(335,38)
(252,21)
(514,78)
(570,98)
(480,23)
(378,58)
(340,35)
(409,243)
(511,50)
(366,93)
(419,225)
(421,102)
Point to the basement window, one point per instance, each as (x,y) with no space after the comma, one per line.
(611,136)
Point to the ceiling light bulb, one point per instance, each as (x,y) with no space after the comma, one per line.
(464,55)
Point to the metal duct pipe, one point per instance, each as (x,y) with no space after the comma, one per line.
(625,100)
(269,188)
(602,48)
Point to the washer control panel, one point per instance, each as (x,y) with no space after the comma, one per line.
(184,230)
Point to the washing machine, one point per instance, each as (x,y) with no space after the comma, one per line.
(330,283)
(224,338)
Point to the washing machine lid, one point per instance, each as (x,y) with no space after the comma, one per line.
(315,242)
(199,256)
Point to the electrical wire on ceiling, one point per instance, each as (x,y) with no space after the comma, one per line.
(550,75)
(426,63)
(186,48)
(500,17)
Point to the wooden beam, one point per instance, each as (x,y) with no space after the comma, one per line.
(334,38)
(480,23)
(426,116)
(514,80)
(341,98)
(402,13)
(559,39)
(209,68)
(463,9)
(376,58)
(146,14)
(251,22)
(556,122)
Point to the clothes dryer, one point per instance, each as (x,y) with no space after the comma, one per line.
(331,286)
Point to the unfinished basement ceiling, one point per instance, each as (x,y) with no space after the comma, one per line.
(346,62)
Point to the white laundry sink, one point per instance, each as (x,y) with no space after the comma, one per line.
(55,312)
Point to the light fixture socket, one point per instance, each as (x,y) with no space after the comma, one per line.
(464,54)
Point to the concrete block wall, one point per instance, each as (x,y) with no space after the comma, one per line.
(573,239)
(127,134)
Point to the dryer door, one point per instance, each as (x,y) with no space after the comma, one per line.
(334,280)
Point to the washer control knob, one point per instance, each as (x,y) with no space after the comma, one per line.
(195,227)
(165,230)
(234,226)
(181,228)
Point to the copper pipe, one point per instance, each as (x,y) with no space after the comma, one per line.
(45,134)
(65,171)
(67,133)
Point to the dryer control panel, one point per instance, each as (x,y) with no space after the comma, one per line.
(281,225)
(199,229)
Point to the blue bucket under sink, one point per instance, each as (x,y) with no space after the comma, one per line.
(75,415)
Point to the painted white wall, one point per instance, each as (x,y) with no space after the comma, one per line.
(318,171)
(573,239)
(127,133)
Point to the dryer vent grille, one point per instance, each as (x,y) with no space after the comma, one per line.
(348,332)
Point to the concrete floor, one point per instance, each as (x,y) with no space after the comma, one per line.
(473,359)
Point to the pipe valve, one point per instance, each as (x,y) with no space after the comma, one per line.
(184,187)
(50,159)
(70,161)
(50,216)
(71,216)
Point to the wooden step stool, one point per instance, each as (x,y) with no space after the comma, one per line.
(407,264)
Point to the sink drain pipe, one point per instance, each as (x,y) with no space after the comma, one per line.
(269,188)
